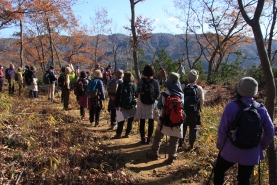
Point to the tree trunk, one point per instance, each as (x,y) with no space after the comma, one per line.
(21,43)
(135,39)
(270,100)
(51,42)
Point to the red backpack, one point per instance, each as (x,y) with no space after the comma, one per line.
(173,113)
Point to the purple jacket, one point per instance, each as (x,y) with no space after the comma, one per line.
(243,156)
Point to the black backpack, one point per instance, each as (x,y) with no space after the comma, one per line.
(127,97)
(191,101)
(46,78)
(61,80)
(80,87)
(147,92)
(28,77)
(246,129)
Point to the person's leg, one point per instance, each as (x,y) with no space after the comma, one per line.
(52,91)
(155,149)
(10,86)
(12,90)
(92,114)
(129,126)
(244,174)
(97,115)
(113,117)
(119,129)
(66,98)
(49,91)
(182,141)
(172,148)
(192,135)
(141,130)
(150,130)
(35,94)
(82,111)
(220,168)
(1,85)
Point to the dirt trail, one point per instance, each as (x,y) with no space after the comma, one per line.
(144,170)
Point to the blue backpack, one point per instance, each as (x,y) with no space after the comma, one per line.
(92,90)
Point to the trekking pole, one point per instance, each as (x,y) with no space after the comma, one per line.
(210,177)
(259,170)
(165,146)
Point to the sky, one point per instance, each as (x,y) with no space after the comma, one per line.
(119,11)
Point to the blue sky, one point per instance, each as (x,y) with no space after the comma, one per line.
(119,11)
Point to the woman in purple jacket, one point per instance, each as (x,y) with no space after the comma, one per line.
(229,154)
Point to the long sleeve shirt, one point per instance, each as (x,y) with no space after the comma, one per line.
(243,156)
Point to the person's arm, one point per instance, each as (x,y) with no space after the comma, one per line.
(201,96)
(160,102)
(138,87)
(101,89)
(118,94)
(268,130)
(157,88)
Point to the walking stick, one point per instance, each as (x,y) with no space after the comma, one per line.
(165,146)
(212,171)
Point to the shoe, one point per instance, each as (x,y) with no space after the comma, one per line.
(143,140)
(84,118)
(117,136)
(148,141)
(170,160)
(126,136)
(96,124)
(152,156)
(67,108)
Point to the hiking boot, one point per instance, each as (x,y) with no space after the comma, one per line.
(143,140)
(170,160)
(96,124)
(152,156)
(67,108)
(126,136)
(148,140)
(117,136)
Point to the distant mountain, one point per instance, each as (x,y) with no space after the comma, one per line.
(171,43)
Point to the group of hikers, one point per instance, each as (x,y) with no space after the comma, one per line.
(244,132)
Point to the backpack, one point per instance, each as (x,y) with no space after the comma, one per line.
(173,114)
(147,92)
(113,85)
(127,96)
(246,129)
(7,75)
(28,77)
(191,101)
(46,79)
(80,87)
(61,80)
(92,90)
(16,76)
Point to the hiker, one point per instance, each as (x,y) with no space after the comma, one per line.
(28,79)
(20,80)
(51,84)
(181,69)
(2,75)
(162,76)
(193,102)
(33,87)
(10,76)
(173,89)
(82,98)
(61,81)
(96,103)
(148,92)
(125,102)
(66,88)
(107,75)
(112,89)
(262,130)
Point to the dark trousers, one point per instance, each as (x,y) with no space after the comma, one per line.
(1,85)
(82,111)
(244,172)
(94,114)
(66,93)
(128,129)
(150,127)
(192,135)
(113,117)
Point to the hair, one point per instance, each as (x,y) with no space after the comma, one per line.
(63,69)
(148,70)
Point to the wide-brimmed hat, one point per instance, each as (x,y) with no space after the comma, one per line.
(173,78)
(193,75)
(97,74)
(128,77)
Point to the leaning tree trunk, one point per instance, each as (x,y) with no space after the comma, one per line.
(21,44)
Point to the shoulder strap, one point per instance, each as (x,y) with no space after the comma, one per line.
(164,94)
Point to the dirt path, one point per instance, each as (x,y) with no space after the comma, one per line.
(143,170)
